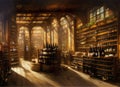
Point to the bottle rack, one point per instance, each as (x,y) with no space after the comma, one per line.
(77,63)
(14,58)
(87,65)
(13,41)
(5,66)
(103,68)
(48,58)
(99,36)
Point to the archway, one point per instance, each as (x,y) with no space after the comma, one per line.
(37,40)
(67,33)
(23,42)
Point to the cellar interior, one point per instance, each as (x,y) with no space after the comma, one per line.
(59,43)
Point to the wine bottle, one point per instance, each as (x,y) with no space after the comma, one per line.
(46,45)
(90,52)
(95,52)
(102,52)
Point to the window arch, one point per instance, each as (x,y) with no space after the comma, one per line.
(67,33)
(37,37)
(54,31)
(23,40)
(100,13)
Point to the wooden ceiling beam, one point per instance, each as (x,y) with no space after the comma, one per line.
(33,16)
(48,11)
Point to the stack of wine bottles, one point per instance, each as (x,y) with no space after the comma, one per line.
(102,51)
(48,57)
(100,65)
(96,52)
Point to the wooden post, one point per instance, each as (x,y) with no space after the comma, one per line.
(30,51)
(118,35)
(118,50)
(53,37)
(46,36)
(75,24)
(50,37)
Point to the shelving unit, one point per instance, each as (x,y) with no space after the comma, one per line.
(5,66)
(77,63)
(103,34)
(49,60)
(13,41)
(103,68)
(87,65)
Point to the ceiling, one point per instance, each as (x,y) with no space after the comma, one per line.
(39,6)
(54,5)
(35,6)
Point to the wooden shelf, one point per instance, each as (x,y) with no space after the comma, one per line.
(100,66)
(105,70)
(107,32)
(104,65)
(102,34)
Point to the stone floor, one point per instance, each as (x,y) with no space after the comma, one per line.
(23,76)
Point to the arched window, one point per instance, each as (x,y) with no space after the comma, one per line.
(37,37)
(54,31)
(67,33)
(23,40)
(37,40)
(100,13)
